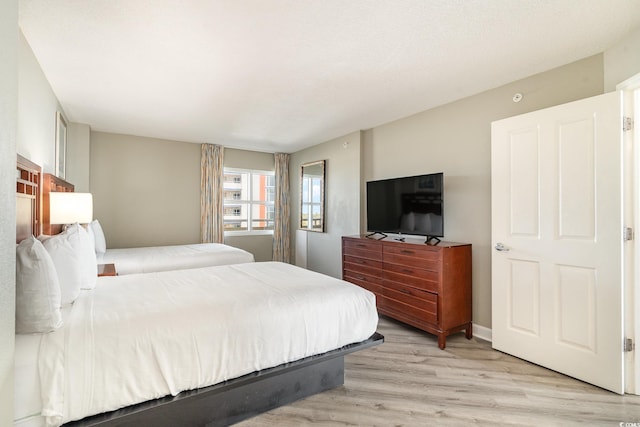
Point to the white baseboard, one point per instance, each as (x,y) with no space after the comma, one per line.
(482,332)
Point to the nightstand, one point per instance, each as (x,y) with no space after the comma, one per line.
(107,270)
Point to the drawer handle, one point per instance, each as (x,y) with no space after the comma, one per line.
(360,245)
(364,279)
(404,251)
(406,270)
(404,291)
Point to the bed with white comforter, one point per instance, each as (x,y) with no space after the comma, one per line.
(143,336)
(164,258)
(176,257)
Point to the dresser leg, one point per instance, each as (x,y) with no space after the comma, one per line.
(469,332)
(442,341)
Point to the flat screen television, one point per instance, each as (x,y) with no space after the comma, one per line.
(409,205)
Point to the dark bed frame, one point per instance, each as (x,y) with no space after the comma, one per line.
(240,398)
(220,404)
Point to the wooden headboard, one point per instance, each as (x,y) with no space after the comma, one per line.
(28,198)
(50,184)
(32,199)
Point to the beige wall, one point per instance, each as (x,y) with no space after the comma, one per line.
(245,159)
(78,156)
(622,61)
(456,139)
(342,201)
(8,137)
(37,106)
(146,191)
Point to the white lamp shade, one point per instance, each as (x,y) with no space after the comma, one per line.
(69,208)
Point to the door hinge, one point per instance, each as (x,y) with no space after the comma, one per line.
(627,124)
(628,345)
(628,234)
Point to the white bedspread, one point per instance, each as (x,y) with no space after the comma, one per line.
(143,336)
(26,394)
(177,257)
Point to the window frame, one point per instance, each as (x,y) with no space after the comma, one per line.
(249,203)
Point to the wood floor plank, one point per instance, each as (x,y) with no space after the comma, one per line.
(409,381)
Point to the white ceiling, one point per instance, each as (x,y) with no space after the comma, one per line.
(282,75)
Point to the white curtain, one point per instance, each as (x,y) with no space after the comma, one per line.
(282,231)
(211,193)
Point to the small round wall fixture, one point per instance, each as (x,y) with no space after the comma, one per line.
(517,97)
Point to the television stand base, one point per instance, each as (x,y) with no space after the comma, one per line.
(430,238)
(370,235)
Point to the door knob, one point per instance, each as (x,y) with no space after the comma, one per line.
(501,247)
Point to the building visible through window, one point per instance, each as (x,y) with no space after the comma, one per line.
(249,197)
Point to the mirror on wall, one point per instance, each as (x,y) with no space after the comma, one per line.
(312,196)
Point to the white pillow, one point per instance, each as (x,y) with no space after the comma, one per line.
(101,242)
(92,237)
(71,255)
(89,261)
(37,289)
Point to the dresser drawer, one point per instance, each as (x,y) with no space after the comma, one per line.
(364,265)
(428,282)
(371,283)
(407,310)
(411,270)
(423,252)
(411,295)
(362,248)
(418,257)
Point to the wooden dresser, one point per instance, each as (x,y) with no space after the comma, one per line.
(427,286)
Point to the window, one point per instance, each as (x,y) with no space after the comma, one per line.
(249,197)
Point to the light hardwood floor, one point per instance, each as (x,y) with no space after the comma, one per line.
(408,381)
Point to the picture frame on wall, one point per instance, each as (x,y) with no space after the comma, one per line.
(61,145)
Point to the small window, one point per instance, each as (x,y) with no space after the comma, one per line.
(249,197)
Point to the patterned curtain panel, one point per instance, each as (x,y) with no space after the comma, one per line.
(211,193)
(281,234)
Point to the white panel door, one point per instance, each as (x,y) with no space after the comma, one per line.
(557,237)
